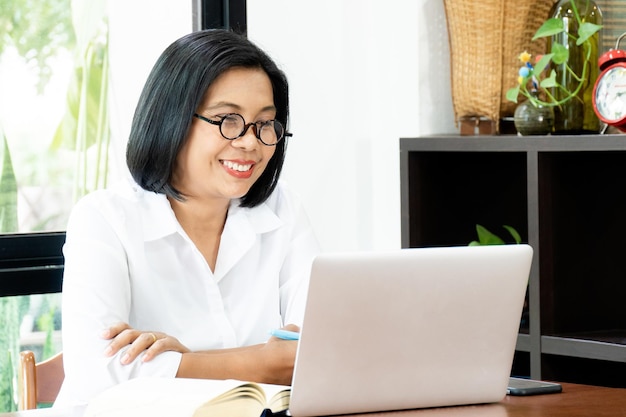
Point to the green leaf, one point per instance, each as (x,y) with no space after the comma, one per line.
(485,237)
(550,27)
(8,189)
(514,233)
(78,129)
(550,81)
(65,134)
(560,53)
(542,64)
(585,31)
(84,127)
(512,94)
(9,345)
(38,30)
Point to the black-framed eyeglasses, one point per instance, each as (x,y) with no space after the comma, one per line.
(233,126)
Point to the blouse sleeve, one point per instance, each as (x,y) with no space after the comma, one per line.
(96,294)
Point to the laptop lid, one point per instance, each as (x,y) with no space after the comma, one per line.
(410,328)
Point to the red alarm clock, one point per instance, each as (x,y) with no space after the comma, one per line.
(609,92)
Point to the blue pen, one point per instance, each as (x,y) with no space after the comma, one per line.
(285,334)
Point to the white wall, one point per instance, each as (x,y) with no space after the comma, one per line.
(362,74)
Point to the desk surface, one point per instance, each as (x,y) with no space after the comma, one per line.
(574,401)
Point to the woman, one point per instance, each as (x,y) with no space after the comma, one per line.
(184,271)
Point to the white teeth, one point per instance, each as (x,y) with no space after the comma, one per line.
(237,167)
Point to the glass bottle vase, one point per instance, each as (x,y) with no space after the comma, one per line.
(576,115)
(531,119)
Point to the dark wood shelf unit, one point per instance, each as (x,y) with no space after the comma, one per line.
(566,196)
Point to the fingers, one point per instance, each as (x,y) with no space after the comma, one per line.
(278,360)
(288,332)
(114,330)
(133,341)
(120,334)
(121,339)
(163,344)
(143,343)
(292,327)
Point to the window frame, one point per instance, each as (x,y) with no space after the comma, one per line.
(31,263)
(222,14)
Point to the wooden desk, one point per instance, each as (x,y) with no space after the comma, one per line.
(574,401)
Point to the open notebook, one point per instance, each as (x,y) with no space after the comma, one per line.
(180,397)
(409,328)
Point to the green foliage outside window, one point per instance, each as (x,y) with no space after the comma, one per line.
(38,31)
(11,308)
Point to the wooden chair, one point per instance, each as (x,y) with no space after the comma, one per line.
(38,382)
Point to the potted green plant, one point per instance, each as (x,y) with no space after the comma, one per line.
(539,82)
(485,237)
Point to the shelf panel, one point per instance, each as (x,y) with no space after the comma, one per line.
(586,348)
(523,343)
(510,143)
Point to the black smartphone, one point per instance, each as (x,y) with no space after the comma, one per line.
(524,386)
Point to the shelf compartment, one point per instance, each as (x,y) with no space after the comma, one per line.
(462,190)
(582,201)
(583,370)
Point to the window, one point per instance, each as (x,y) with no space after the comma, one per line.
(70,75)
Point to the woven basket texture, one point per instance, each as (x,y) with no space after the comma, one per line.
(486,38)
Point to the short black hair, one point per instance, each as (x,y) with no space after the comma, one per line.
(173,91)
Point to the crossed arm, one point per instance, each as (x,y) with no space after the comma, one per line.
(270,362)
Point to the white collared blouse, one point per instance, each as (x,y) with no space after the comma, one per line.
(128,259)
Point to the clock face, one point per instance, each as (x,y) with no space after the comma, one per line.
(611,94)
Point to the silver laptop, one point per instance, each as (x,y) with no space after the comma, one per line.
(410,328)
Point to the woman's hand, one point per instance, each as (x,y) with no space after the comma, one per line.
(279,358)
(271,362)
(137,341)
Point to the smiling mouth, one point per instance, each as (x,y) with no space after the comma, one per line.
(237,167)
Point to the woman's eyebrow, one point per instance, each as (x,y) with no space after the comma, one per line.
(237,107)
(222,104)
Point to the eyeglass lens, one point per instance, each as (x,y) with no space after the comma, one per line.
(234,126)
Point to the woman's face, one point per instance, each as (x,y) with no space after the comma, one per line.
(211,167)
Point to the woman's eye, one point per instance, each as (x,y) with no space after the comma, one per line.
(231,120)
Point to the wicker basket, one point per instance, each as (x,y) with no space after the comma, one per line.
(486,38)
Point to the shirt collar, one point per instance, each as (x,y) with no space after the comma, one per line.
(243,225)
(159,219)
(157,216)
(259,219)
